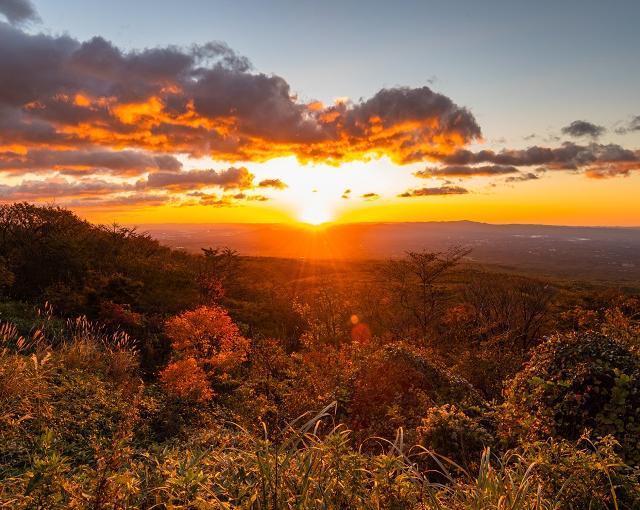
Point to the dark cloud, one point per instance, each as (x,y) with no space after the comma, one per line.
(629,127)
(204,100)
(272,183)
(568,156)
(429,192)
(230,178)
(346,194)
(370,196)
(19,12)
(529,176)
(580,128)
(53,188)
(466,171)
(87,161)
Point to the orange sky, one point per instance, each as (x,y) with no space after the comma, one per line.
(195,134)
(555,198)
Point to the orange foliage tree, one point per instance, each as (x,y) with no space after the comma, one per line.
(207,346)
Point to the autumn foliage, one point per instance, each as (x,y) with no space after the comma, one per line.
(207,346)
(187,380)
(163,379)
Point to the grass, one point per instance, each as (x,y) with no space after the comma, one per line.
(76,425)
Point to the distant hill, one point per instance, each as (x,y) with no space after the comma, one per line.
(594,253)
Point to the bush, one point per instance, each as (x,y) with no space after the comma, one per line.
(185,379)
(583,474)
(397,384)
(577,382)
(207,349)
(448,431)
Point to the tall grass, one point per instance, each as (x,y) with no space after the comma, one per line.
(72,412)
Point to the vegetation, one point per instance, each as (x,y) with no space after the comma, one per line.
(134,376)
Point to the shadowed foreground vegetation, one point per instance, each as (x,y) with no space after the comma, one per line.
(133,376)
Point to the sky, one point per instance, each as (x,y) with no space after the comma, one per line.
(253,111)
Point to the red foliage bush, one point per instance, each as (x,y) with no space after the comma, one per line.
(186,380)
(208,335)
(207,347)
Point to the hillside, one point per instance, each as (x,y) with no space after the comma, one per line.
(137,376)
(587,253)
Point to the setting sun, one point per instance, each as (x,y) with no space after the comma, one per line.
(315,213)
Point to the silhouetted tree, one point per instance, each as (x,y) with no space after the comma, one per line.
(415,283)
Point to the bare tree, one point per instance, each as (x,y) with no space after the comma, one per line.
(415,283)
(512,309)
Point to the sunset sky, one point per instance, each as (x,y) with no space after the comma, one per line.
(251,111)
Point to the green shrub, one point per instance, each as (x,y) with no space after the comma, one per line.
(577,382)
(584,474)
(448,431)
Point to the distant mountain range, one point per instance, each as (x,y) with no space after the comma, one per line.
(593,253)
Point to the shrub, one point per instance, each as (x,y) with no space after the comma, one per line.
(577,382)
(583,474)
(207,348)
(186,380)
(448,431)
(397,384)
(209,335)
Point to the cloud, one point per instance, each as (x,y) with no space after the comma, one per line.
(466,171)
(251,198)
(128,201)
(569,156)
(230,178)
(631,126)
(529,176)
(88,160)
(58,92)
(346,194)
(224,200)
(370,196)
(19,12)
(52,188)
(272,183)
(580,128)
(429,192)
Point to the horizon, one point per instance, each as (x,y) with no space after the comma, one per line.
(330,224)
(148,113)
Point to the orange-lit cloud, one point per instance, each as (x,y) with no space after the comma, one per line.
(429,192)
(273,183)
(60,93)
(594,159)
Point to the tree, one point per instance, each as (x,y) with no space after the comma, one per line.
(207,338)
(415,283)
(510,310)
(219,271)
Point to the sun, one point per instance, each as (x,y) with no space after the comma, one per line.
(314,212)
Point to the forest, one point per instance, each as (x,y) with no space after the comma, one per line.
(133,375)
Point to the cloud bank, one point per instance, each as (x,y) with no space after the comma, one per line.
(204,100)
(88,121)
